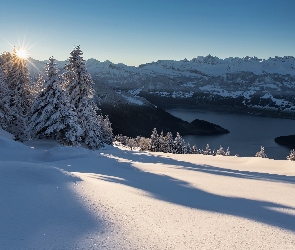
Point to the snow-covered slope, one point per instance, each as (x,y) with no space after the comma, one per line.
(56,197)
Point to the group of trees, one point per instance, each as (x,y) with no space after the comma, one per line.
(167,144)
(57,106)
(262,154)
(61,107)
(177,145)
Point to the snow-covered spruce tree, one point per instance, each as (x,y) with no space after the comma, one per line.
(220,151)
(78,83)
(261,153)
(162,146)
(5,118)
(107,131)
(195,149)
(19,98)
(154,147)
(5,59)
(168,139)
(189,149)
(37,87)
(291,156)
(179,146)
(227,153)
(207,151)
(52,115)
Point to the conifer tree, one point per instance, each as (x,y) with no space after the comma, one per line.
(5,59)
(19,98)
(52,115)
(261,153)
(179,146)
(78,83)
(107,131)
(154,147)
(220,151)
(207,151)
(291,156)
(162,146)
(4,94)
(189,148)
(169,143)
(37,86)
(195,149)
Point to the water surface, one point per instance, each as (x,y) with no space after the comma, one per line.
(247,133)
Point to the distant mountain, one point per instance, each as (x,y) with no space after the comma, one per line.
(246,84)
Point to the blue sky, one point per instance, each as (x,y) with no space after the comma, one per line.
(140,31)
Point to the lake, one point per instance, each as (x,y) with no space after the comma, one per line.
(247,133)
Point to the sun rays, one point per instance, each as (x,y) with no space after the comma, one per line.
(22,53)
(22,50)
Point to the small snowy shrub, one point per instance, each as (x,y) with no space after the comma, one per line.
(261,153)
(144,143)
(132,143)
(291,156)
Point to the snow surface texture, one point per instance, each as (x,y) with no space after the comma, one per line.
(57,197)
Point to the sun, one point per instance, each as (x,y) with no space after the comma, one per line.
(22,53)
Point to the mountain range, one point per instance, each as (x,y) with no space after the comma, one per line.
(249,84)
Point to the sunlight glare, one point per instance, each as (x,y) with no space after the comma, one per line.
(22,53)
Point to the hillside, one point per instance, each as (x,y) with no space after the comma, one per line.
(135,116)
(56,197)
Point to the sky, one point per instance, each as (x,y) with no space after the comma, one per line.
(141,31)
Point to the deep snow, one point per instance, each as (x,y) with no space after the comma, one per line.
(56,197)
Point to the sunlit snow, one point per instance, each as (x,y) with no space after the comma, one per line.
(57,197)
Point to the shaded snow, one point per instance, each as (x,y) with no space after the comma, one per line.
(56,197)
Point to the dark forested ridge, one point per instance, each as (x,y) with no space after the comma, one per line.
(288,141)
(135,120)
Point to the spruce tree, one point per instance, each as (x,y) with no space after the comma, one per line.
(261,153)
(4,94)
(19,97)
(52,115)
(291,156)
(169,143)
(79,85)
(162,146)
(107,131)
(207,151)
(195,149)
(179,146)
(37,86)
(220,151)
(189,149)
(154,147)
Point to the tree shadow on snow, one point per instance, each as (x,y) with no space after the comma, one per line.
(172,190)
(39,210)
(147,158)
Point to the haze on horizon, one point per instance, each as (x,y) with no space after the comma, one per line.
(135,32)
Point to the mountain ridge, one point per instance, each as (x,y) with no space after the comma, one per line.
(248,84)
